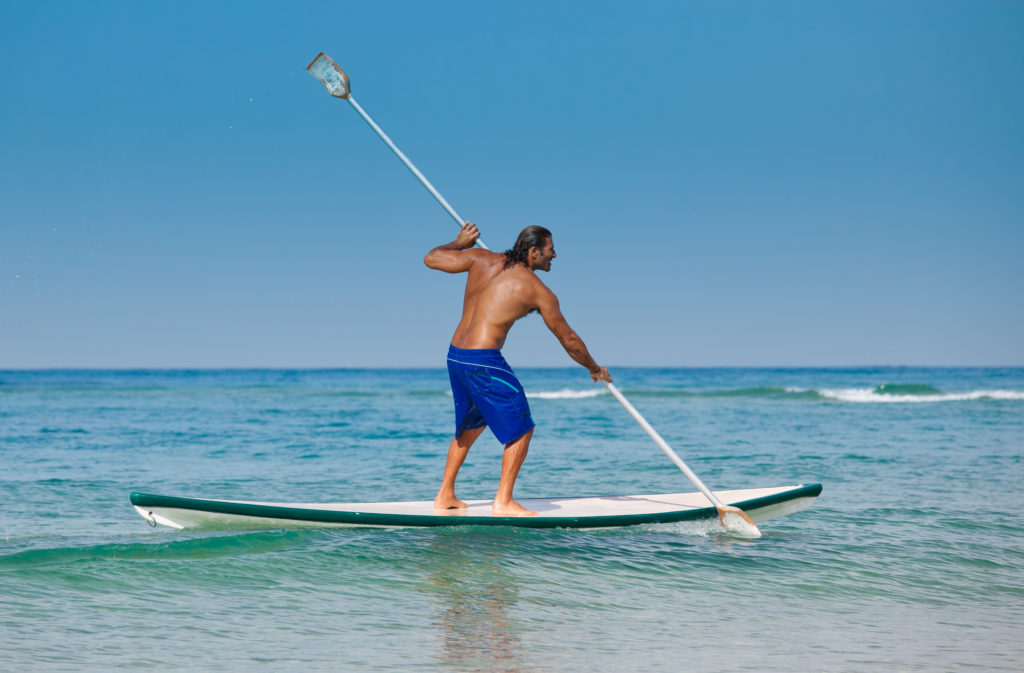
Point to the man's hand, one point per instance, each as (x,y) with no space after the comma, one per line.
(601,375)
(467,236)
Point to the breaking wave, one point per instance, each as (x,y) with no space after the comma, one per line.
(567,394)
(886,393)
(883,394)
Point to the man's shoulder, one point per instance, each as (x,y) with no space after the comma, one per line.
(484,264)
(481,255)
(530,281)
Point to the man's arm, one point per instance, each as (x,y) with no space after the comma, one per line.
(549,309)
(452,257)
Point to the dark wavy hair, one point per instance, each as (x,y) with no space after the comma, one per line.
(530,237)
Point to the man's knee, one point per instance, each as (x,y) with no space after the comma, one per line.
(522,440)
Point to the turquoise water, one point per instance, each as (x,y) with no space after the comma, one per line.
(911,560)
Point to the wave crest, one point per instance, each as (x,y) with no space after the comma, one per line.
(878,395)
(885,393)
(566,394)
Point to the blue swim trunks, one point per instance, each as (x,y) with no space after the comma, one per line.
(487,393)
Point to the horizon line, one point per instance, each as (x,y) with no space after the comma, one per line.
(240,368)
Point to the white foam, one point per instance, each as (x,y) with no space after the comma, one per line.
(870,395)
(567,394)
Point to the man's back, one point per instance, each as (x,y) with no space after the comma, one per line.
(502,288)
(495,298)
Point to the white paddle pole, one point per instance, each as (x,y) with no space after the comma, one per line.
(732,518)
(334,79)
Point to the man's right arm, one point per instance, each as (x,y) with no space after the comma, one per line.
(452,257)
(550,310)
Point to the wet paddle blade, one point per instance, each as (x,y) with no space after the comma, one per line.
(330,75)
(736,521)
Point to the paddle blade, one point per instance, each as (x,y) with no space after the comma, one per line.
(736,521)
(330,75)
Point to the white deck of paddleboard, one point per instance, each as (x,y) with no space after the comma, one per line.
(625,505)
(561,507)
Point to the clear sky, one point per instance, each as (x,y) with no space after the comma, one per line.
(729,183)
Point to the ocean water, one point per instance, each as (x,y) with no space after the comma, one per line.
(911,560)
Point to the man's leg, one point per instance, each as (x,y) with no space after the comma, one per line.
(457,451)
(511,461)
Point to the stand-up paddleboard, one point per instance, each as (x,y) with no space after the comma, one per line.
(761,504)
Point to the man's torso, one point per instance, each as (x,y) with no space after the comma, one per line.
(495,298)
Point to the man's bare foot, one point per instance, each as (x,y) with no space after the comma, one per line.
(448,502)
(512,508)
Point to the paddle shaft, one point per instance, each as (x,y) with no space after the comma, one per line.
(663,445)
(408,164)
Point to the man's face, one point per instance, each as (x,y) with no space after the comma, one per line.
(542,258)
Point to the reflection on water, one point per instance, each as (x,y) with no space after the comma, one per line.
(475,598)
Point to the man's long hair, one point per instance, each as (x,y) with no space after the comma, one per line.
(532,236)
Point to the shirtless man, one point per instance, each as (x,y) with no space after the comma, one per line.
(500,289)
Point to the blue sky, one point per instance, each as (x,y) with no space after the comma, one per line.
(729,183)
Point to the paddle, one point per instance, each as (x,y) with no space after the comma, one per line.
(334,79)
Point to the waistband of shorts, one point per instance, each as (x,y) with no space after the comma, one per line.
(486,357)
(474,353)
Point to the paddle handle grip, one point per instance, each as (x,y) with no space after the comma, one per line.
(663,445)
(408,164)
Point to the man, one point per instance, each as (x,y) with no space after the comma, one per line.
(500,289)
